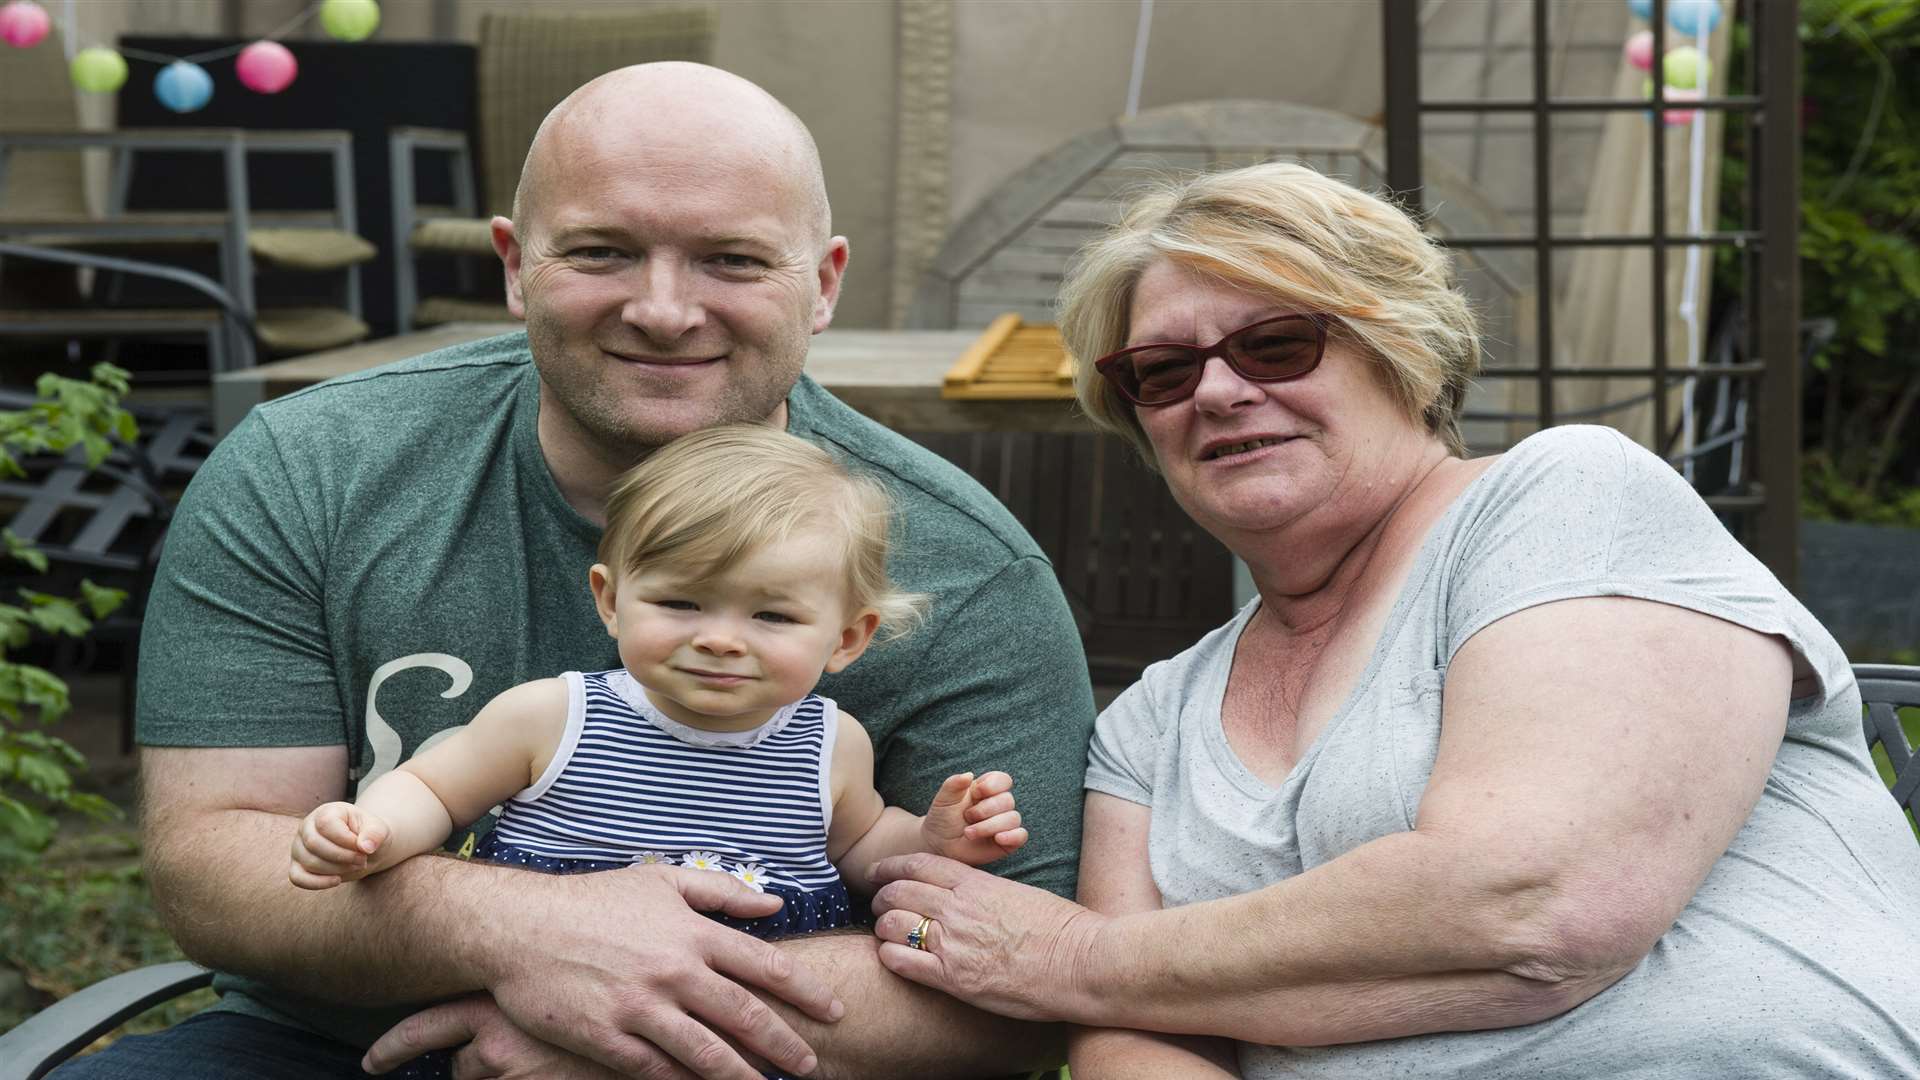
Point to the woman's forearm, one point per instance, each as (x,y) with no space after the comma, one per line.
(1401,936)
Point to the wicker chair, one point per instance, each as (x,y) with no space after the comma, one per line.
(42,201)
(528,62)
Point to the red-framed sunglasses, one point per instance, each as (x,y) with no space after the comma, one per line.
(1271,350)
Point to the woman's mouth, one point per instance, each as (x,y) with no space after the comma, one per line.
(1237,448)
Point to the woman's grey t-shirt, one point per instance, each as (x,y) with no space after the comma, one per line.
(1800,953)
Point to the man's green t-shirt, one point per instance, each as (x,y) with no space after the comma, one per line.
(368,561)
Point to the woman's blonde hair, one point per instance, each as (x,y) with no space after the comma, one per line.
(705,501)
(1311,242)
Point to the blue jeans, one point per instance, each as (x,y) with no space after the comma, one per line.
(220,1046)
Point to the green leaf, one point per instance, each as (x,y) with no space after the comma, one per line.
(42,688)
(55,614)
(24,552)
(101,600)
(45,774)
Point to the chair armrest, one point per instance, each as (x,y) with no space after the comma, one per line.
(235,311)
(56,1032)
(427,138)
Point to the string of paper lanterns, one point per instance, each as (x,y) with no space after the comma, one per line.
(183,85)
(1685,69)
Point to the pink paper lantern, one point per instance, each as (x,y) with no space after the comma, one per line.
(1681,116)
(266,67)
(1640,50)
(23,24)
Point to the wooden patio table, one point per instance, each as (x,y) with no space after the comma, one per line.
(892,376)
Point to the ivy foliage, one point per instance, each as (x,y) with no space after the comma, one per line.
(37,769)
(1860,256)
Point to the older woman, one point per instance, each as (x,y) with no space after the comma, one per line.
(1517,767)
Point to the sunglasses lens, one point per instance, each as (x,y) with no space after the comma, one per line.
(1154,375)
(1277,350)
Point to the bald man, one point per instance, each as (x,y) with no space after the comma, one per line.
(360,565)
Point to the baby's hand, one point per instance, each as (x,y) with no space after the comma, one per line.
(333,844)
(973,820)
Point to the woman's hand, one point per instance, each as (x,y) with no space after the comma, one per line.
(994,944)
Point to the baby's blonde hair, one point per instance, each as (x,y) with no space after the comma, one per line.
(707,500)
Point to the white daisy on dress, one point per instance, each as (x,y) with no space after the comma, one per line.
(651,858)
(752,875)
(702,860)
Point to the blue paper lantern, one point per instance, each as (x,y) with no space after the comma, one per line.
(183,87)
(1693,17)
(1642,9)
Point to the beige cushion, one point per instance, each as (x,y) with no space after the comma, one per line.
(309,249)
(468,236)
(435,310)
(305,330)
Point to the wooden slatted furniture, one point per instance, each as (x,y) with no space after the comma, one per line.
(1012,360)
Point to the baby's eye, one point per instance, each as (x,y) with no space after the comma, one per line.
(774,617)
(677,605)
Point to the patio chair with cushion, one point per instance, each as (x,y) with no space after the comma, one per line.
(528,62)
(42,200)
(69,1025)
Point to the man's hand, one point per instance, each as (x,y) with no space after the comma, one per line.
(973,820)
(652,982)
(493,1048)
(333,844)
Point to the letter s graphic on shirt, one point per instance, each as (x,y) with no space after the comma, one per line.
(380,735)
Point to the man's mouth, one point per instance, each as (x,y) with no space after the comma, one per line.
(662,361)
(1247,447)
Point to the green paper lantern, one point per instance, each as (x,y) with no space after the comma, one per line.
(350,20)
(98,70)
(1685,68)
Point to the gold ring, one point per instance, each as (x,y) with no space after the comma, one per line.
(917,937)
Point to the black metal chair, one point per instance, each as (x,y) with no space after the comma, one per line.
(1886,689)
(62,1029)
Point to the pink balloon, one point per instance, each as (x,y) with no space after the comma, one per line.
(266,67)
(23,24)
(1640,50)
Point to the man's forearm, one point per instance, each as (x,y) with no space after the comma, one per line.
(894,1027)
(412,933)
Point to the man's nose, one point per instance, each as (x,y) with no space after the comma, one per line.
(1222,389)
(663,305)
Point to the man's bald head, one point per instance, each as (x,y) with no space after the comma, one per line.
(677,103)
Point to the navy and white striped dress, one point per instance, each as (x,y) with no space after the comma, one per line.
(628,784)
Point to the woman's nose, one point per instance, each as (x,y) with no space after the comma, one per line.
(1222,389)
(663,305)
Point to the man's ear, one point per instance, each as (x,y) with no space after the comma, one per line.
(833,266)
(854,639)
(605,588)
(507,246)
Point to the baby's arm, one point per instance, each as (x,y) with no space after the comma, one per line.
(412,809)
(972,820)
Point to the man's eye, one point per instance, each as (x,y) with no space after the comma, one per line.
(595,254)
(738,262)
